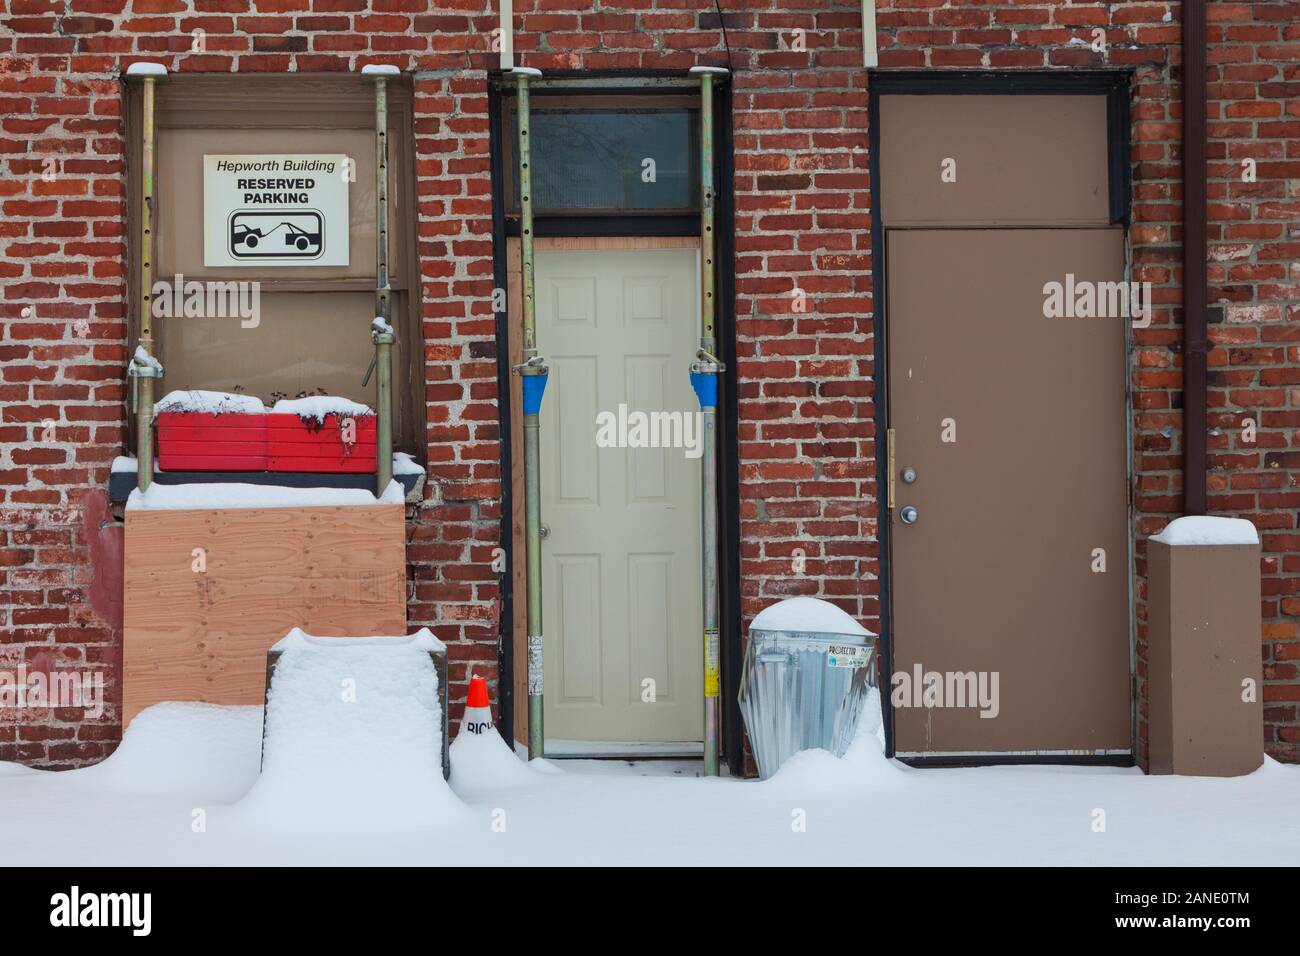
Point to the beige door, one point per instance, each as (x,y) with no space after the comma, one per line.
(621,566)
(1014,425)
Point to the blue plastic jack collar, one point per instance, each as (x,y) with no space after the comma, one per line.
(534,387)
(706,388)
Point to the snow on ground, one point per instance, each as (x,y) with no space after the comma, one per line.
(139,807)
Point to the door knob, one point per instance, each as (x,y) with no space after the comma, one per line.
(908,515)
(544,531)
(908,475)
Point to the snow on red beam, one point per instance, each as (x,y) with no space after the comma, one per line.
(201,430)
(321,433)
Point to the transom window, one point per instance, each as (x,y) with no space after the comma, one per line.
(608,155)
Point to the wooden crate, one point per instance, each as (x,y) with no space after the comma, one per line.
(201,441)
(295,444)
(203,634)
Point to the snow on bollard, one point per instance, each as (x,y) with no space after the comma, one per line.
(481,761)
(353,738)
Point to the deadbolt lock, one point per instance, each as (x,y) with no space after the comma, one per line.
(908,475)
(908,515)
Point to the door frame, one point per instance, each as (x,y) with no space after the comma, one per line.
(1115,86)
(512,705)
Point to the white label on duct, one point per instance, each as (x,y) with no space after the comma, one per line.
(535,658)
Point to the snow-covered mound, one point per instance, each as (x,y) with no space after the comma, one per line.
(214,403)
(862,767)
(484,763)
(185,749)
(353,738)
(319,406)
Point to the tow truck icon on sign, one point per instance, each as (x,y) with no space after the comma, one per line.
(284,234)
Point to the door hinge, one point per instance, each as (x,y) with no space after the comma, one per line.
(889,465)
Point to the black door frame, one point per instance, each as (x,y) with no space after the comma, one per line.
(500,86)
(1115,85)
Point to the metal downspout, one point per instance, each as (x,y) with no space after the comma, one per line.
(1195,323)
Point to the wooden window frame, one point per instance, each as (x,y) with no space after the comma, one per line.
(302,101)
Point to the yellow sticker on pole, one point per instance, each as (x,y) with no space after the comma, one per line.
(711,682)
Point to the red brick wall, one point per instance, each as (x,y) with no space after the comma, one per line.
(802,224)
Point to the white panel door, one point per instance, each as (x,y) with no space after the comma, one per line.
(621,563)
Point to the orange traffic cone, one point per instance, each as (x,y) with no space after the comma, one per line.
(478,715)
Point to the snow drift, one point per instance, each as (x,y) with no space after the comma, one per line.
(483,763)
(185,749)
(353,738)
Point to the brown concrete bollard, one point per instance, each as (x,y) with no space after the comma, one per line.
(1205,670)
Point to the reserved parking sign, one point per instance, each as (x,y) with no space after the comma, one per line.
(275,210)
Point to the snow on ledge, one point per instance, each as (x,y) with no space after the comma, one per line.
(318,406)
(141,357)
(214,403)
(1205,529)
(235,495)
(807,615)
(404,464)
(298,639)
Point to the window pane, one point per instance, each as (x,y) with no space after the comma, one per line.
(595,160)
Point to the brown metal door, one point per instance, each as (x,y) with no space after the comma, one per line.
(1014,425)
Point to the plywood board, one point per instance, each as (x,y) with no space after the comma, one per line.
(207,592)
